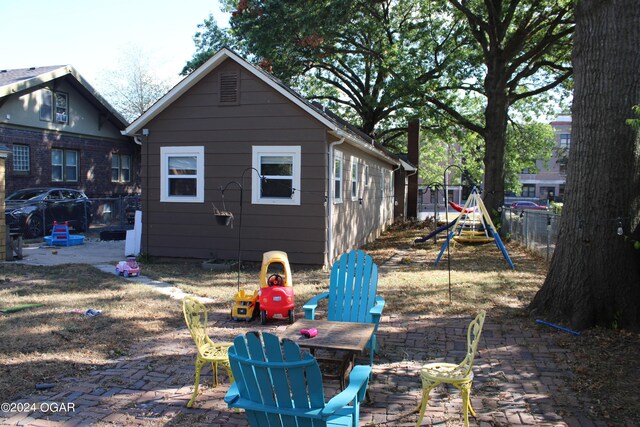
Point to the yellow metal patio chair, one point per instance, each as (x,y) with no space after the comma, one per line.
(460,376)
(195,314)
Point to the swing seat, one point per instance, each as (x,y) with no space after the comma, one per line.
(480,239)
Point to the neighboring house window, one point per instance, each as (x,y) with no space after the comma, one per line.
(229,88)
(565,140)
(62,107)
(21,158)
(354,178)
(392,181)
(528,190)
(382,185)
(337,177)
(46,105)
(562,164)
(366,175)
(120,168)
(280,168)
(182,174)
(64,165)
(54,106)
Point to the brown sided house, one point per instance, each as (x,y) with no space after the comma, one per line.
(325,188)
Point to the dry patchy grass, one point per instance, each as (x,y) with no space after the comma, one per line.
(39,344)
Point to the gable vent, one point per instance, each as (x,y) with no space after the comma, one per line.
(229,91)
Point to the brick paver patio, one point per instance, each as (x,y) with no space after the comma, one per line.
(521,380)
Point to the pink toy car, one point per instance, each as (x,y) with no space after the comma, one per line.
(128,268)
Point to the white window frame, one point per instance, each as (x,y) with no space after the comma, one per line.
(337,176)
(295,151)
(366,176)
(61,109)
(65,165)
(354,179)
(46,105)
(21,158)
(120,167)
(165,153)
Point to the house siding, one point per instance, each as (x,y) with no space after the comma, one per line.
(355,223)
(228,132)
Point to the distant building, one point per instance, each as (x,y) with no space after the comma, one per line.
(548,183)
(545,185)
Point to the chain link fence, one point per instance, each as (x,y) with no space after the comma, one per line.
(535,230)
(114,211)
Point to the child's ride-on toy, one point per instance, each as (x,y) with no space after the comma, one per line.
(276,291)
(244,306)
(128,268)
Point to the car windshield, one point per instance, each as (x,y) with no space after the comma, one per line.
(25,195)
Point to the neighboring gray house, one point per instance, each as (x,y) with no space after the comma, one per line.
(328,188)
(61,132)
(550,179)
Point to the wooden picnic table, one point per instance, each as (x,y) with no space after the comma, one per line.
(351,338)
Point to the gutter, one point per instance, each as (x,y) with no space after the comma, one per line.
(330,201)
(368,148)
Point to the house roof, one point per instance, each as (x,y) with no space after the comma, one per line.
(335,125)
(26,79)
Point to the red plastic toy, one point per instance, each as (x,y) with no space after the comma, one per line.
(276,291)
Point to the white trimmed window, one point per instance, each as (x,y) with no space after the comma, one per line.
(354,178)
(280,168)
(120,168)
(366,176)
(64,165)
(337,176)
(21,158)
(382,184)
(62,107)
(182,174)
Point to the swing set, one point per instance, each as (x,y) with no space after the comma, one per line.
(474,226)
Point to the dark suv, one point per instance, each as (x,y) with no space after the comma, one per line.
(32,211)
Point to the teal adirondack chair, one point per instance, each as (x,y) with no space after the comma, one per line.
(352,293)
(278,386)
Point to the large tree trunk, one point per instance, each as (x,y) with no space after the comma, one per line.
(495,136)
(594,277)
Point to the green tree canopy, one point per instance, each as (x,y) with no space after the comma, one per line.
(462,63)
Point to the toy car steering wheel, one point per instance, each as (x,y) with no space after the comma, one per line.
(275,280)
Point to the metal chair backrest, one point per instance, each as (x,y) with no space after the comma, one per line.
(352,288)
(195,315)
(473,338)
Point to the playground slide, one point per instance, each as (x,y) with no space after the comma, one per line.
(432,234)
(460,208)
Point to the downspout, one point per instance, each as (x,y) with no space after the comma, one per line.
(330,201)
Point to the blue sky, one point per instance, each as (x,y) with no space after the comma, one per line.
(91,35)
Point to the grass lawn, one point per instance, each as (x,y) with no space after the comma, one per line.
(39,344)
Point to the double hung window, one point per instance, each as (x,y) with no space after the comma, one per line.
(64,165)
(354,178)
(337,177)
(182,174)
(120,168)
(279,180)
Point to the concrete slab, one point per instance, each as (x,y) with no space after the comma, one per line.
(90,252)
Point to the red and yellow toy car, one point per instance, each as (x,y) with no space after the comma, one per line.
(276,291)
